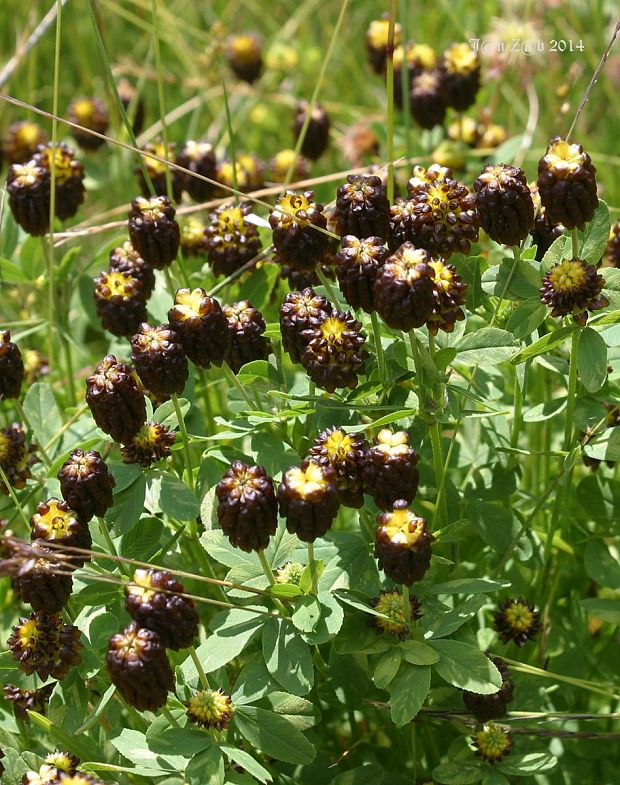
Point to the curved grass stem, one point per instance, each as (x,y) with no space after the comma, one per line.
(184,438)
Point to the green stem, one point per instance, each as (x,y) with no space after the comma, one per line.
(237,384)
(184,438)
(201,672)
(390,100)
(326,283)
(266,567)
(376,332)
(406,604)
(14,499)
(313,572)
(415,353)
(572,389)
(161,95)
(206,400)
(517,413)
(169,716)
(441,508)
(69,363)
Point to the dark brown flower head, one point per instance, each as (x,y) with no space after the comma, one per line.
(125,259)
(90,113)
(403,545)
(29,188)
(193,238)
(335,354)
(115,400)
(377,39)
(612,251)
(359,262)
(346,454)
(504,203)
(362,207)
(296,221)
(42,580)
(246,326)
(244,53)
(86,484)
(138,667)
(491,707)
(302,279)
(133,104)
(247,509)
(401,222)
(159,357)
(153,230)
(210,709)
(69,174)
(28,700)
(390,603)
(422,177)
(202,326)
(287,159)
(316,139)
(157,171)
(23,141)
(450,296)
(308,498)
(567,184)
(301,311)
(120,302)
(391,471)
(428,105)
(517,621)
(11,367)
(231,241)
(54,765)
(16,457)
(55,522)
(44,645)
(492,743)
(461,75)
(404,288)
(152,443)
(154,601)
(199,158)
(249,172)
(572,288)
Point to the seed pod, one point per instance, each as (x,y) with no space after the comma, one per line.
(23,141)
(492,743)
(247,509)
(89,113)
(403,545)
(210,709)
(202,327)
(283,161)
(567,184)
(42,582)
(428,106)
(450,295)
(69,174)
(11,368)
(29,188)
(297,239)
(154,602)
(573,288)
(316,139)
(120,303)
(301,311)
(86,484)
(152,443)
(193,239)
(246,326)
(24,701)
(504,203)
(517,621)
(244,53)
(362,207)
(44,645)
(154,233)
(334,355)
(346,454)
(612,251)
(157,171)
(198,157)
(359,262)
(377,39)
(461,76)
(390,604)
(125,259)
(16,457)
(157,353)
(491,707)
(138,667)
(114,399)
(391,471)
(308,499)
(404,288)
(55,522)
(231,241)
(133,103)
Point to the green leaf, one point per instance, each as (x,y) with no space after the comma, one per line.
(179,741)
(457,773)
(468,586)
(602,565)
(43,413)
(166,413)
(605,447)
(596,235)
(494,777)
(330,620)
(607,610)
(128,506)
(544,411)
(466,667)
(526,317)
(305,581)
(486,346)
(386,668)
(136,771)
(592,360)
(558,250)
(206,768)
(177,500)
(12,273)
(513,280)
(141,541)
(247,762)
(307,615)
(544,344)
(273,735)
(287,656)
(234,629)
(450,621)
(470,269)
(408,692)
(298,711)
(418,653)
(286,590)
(527,765)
